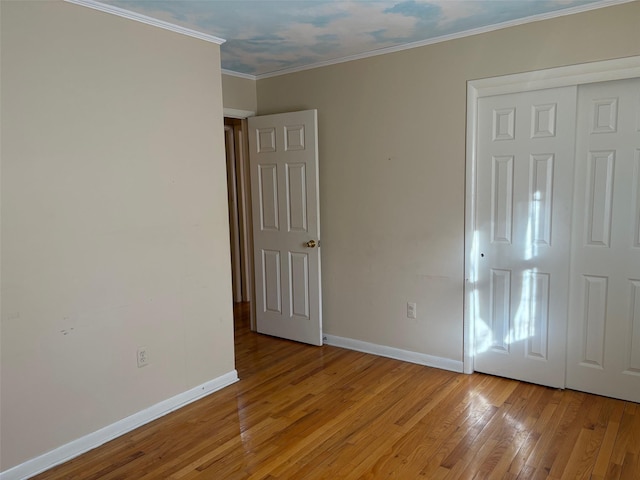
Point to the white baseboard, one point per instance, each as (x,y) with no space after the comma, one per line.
(88,442)
(396,353)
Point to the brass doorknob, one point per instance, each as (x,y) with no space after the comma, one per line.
(310,244)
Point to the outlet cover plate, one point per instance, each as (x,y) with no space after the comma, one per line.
(143,357)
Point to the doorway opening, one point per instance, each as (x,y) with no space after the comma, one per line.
(239,198)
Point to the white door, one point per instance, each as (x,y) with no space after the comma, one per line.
(283,157)
(604,323)
(522,239)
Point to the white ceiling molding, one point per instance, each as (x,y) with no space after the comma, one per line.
(232,73)
(121,12)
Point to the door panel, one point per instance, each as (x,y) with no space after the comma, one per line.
(271,281)
(525,171)
(268,197)
(604,322)
(284,179)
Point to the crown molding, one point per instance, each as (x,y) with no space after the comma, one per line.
(445,38)
(121,12)
(233,73)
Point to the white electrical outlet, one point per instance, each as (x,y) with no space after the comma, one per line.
(411,310)
(143,357)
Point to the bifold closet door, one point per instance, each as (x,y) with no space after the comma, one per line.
(522,244)
(604,316)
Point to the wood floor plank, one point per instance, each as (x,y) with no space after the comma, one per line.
(301,412)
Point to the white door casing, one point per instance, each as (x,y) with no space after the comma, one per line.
(524,176)
(604,321)
(283,157)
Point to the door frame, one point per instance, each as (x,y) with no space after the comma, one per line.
(617,69)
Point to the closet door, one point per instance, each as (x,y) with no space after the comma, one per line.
(521,247)
(604,322)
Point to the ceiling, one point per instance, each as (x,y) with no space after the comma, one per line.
(267,37)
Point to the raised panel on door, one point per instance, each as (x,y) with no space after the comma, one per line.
(268,197)
(501,198)
(297,197)
(271,285)
(299,285)
(537,286)
(284,181)
(594,317)
(524,176)
(603,354)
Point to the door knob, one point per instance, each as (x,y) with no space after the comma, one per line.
(310,244)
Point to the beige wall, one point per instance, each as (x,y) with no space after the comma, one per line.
(114,222)
(239,93)
(392,168)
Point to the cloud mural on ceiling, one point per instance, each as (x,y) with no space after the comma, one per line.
(265,36)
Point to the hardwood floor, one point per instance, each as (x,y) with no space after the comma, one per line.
(303,412)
